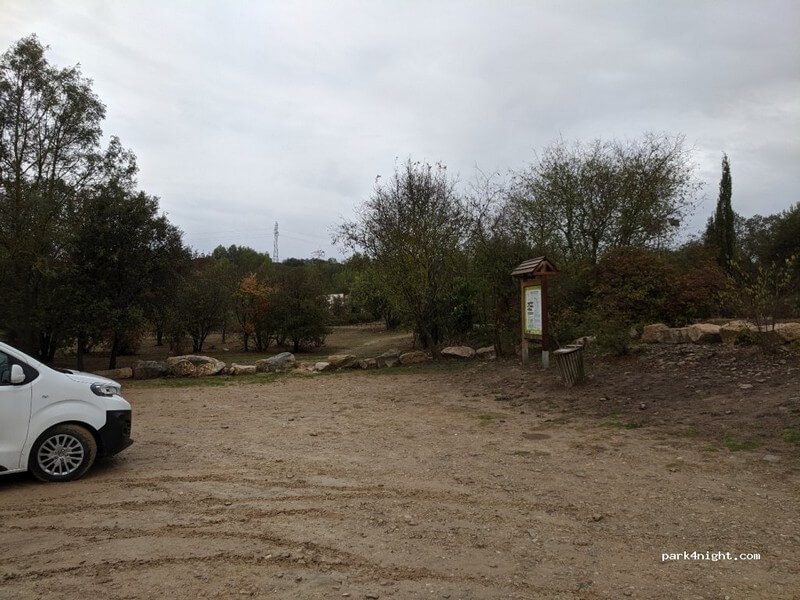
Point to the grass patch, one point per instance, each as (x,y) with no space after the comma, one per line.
(265,378)
(615,421)
(441,366)
(487,418)
(444,366)
(187,382)
(791,435)
(735,445)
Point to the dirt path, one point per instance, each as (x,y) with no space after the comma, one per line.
(409,484)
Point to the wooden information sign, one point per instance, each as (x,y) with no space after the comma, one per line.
(533,275)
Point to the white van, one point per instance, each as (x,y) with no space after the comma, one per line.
(56,422)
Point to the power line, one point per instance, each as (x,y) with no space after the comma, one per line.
(258,232)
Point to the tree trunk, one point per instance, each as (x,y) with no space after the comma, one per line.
(296,346)
(47,347)
(112,360)
(41,346)
(428,340)
(200,341)
(26,341)
(81,348)
(159,335)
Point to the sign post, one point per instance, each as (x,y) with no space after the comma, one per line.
(535,323)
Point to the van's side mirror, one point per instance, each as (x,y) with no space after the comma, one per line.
(17,375)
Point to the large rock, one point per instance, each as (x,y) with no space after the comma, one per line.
(235,369)
(652,333)
(788,332)
(674,335)
(731,331)
(458,352)
(284,361)
(322,366)
(341,361)
(390,358)
(116,374)
(368,363)
(149,369)
(193,365)
(413,358)
(746,332)
(486,353)
(704,333)
(206,366)
(181,368)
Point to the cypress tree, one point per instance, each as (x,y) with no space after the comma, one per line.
(721,230)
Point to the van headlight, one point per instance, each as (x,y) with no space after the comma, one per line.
(106,389)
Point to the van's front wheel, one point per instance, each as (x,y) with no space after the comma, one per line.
(63,453)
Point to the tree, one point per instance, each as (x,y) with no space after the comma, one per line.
(171,263)
(786,234)
(121,250)
(328,270)
(766,294)
(205,298)
(252,303)
(367,299)
(49,132)
(496,245)
(579,201)
(245,260)
(769,244)
(300,307)
(413,228)
(721,230)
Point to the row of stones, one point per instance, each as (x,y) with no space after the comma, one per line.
(393,358)
(205,366)
(729,333)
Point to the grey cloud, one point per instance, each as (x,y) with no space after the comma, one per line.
(246,113)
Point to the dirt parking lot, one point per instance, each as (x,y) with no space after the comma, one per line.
(427,482)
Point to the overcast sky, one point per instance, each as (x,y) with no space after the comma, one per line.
(246,113)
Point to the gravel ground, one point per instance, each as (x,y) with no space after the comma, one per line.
(417,483)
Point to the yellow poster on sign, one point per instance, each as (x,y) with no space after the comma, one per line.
(532,297)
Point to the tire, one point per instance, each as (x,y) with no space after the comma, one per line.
(63,453)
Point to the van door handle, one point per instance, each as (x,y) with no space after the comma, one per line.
(45,396)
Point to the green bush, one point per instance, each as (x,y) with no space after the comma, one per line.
(631,287)
(700,286)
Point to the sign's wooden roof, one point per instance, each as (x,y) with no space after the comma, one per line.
(535,266)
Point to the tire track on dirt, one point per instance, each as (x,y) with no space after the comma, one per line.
(341,562)
(461,504)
